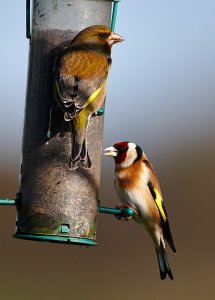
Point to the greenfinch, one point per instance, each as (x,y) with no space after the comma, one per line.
(81,74)
(138,188)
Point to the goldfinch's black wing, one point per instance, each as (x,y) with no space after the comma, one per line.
(79,76)
(163,214)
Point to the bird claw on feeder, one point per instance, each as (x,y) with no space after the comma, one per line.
(123,215)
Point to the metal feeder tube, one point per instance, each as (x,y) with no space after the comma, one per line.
(57,204)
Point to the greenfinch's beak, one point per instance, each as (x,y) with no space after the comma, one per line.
(114,38)
(111,151)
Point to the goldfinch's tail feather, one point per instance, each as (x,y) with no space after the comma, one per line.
(163,262)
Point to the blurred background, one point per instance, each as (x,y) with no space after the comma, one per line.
(161,95)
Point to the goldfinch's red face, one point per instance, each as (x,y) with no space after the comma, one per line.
(124,153)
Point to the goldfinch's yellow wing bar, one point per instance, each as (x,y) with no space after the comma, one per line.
(158,201)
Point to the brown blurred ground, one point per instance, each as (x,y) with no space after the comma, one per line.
(123,265)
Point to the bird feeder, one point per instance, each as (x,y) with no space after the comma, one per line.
(55,203)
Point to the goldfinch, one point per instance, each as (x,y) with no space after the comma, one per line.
(138,188)
(81,73)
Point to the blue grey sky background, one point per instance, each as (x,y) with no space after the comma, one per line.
(161,95)
(162,78)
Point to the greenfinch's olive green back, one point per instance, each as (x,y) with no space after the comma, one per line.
(81,76)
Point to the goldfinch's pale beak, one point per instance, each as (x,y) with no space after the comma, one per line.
(114,38)
(111,151)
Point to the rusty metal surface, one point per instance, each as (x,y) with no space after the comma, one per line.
(52,195)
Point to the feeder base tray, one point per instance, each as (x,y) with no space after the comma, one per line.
(56,239)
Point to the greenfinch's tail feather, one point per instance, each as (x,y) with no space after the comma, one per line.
(79,156)
(163,262)
(85,159)
(85,163)
(76,150)
(73,165)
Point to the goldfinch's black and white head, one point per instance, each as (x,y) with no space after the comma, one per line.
(124,153)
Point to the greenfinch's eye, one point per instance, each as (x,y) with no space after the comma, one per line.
(102,35)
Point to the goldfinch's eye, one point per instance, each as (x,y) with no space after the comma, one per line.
(123,148)
(102,35)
